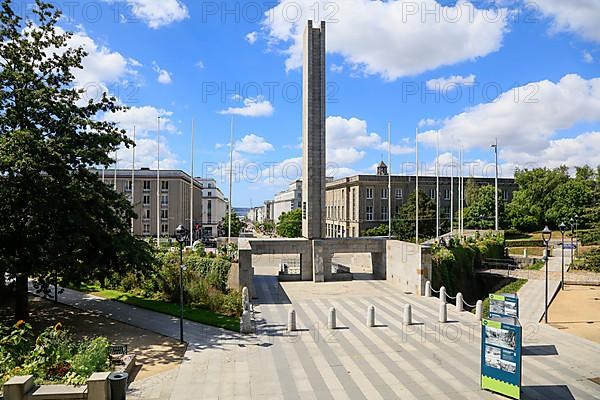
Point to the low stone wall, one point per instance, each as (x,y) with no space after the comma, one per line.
(22,388)
(408,265)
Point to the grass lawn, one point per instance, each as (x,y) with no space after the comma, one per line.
(536,266)
(196,314)
(511,287)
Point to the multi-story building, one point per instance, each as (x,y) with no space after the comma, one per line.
(287,200)
(256,214)
(156,210)
(214,207)
(357,203)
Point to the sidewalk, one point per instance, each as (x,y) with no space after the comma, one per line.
(194,333)
(532,294)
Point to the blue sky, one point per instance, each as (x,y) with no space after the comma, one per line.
(526,73)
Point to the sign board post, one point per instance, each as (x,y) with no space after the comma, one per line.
(501,356)
(504,305)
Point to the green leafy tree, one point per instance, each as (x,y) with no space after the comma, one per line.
(403,224)
(290,224)
(535,196)
(59,220)
(381,230)
(236,225)
(481,210)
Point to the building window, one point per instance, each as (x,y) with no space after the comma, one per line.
(146,186)
(384,193)
(147,213)
(446,194)
(506,194)
(369,213)
(146,229)
(164,214)
(164,185)
(398,193)
(164,228)
(128,186)
(369,193)
(164,200)
(432,193)
(146,200)
(384,212)
(209,194)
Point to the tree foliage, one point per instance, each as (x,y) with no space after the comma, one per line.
(236,225)
(60,220)
(290,224)
(480,212)
(403,223)
(552,196)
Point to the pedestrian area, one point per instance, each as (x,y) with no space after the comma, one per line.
(427,360)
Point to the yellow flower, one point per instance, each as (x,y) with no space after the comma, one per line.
(58,327)
(20,324)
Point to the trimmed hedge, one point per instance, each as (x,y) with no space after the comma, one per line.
(525,243)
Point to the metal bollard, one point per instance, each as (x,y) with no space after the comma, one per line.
(291,326)
(246,326)
(331,322)
(443,295)
(478,309)
(371,316)
(407,314)
(443,317)
(428,289)
(459,302)
(245,296)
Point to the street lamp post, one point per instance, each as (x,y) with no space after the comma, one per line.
(572,222)
(181,235)
(562,228)
(546,235)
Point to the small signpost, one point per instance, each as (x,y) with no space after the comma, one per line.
(504,305)
(501,356)
(501,346)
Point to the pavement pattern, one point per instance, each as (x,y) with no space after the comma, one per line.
(427,360)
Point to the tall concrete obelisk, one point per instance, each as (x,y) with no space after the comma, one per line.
(313,132)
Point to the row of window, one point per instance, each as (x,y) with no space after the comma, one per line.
(164,200)
(399,194)
(164,228)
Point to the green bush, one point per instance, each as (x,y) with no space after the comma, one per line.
(91,356)
(590,237)
(591,261)
(525,243)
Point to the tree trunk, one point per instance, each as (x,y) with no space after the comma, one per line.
(21,299)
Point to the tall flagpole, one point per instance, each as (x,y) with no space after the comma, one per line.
(452,193)
(462,194)
(437,185)
(158,183)
(389,180)
(192,181)
(496,154)
(417,187)
(230,183)
(133,177)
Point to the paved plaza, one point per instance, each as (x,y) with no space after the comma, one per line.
(426,361)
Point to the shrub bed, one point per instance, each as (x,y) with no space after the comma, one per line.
(52,357)
(525,243)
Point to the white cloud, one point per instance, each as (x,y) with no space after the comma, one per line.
(426,122)
(336,68)
(253,144)
(200,64)
(146,152)
(348,138)
(251,37)
(452,82)
(587,57)
(144,118)
(156,13)
(164,76)
(579,16)
(253,107)
(577,151)
(526,117)
(392,38)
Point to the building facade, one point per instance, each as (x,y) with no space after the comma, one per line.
(287,200)
(357,203)
(214,207)
(156,210)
